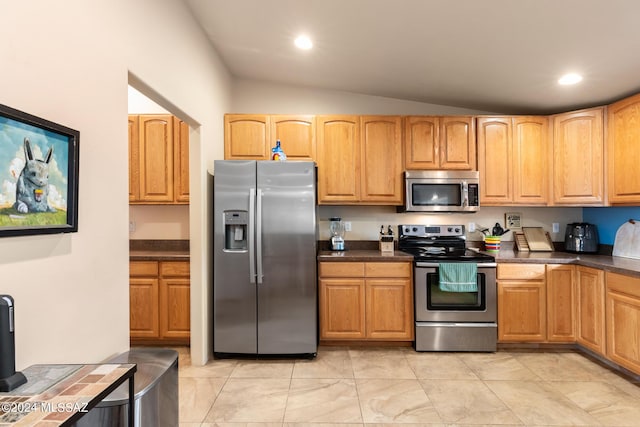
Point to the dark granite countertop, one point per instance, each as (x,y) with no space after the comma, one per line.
(159,250)
(364,255)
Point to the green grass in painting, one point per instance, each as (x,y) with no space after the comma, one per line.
(10,217)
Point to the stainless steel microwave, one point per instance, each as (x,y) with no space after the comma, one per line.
(442,191)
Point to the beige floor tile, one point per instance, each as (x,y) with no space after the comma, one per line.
(214,368)
(395,401)
(381,363)
(610,405)
(497,366)
(325,425)
(197,396)
(240,425)
(467,401)
(538,403)
(323,400)
(263,369)
(561,366)
(330,363)
(439,366)
(250,400)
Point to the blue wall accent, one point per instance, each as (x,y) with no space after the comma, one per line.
(608,220)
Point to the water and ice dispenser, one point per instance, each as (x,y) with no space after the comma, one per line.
(235,230)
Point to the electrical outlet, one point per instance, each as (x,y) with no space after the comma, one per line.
(472,227)
(555,227)
(347,226)
(132,226)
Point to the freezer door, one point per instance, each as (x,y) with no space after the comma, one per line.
(287,294)
(234,294)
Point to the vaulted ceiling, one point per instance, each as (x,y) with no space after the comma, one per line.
(490,55)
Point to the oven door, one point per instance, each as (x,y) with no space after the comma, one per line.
(435,305)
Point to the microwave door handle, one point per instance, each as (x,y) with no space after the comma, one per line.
(465,194)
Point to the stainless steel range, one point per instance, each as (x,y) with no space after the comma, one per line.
(446,319)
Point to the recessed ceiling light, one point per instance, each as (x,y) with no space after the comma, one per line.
(303,42)
(570,79)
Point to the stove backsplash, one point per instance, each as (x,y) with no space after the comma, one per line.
(366,220)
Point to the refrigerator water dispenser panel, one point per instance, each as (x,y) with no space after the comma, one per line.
(235,231)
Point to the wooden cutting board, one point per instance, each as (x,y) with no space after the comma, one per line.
(537,239)
(627,242)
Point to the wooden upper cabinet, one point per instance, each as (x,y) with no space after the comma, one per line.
(381,157)
(247,137)
(134,158)
(530,160)
(495,160)
(458,143)
(578,139)
(623,152)
(338,159)
(156,158)
(512,160)
(435,142)
(297,135)
(181,161)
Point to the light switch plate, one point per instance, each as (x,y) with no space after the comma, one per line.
(513,220)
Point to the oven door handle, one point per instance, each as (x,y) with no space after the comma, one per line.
(435,264)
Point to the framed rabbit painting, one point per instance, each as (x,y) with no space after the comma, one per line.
(38,175)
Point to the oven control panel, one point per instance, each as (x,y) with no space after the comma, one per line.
(421,230)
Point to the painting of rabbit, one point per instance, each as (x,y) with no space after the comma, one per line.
(32,188)
(38,175)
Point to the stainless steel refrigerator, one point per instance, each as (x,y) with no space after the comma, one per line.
(264,258)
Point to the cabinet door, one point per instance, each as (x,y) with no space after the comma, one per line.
(156,158)
(623,320)
(494,160)
(297,135)
(134,159)
(246,137)
(181,161)
(561,303)
(342,309)
(422,141)
(457,143)
(143,307)
(521,311)
(591,309)
(578,150)
(175,308)
(389,309)
(338,159)
(381,157)
(530,160)
(623,134)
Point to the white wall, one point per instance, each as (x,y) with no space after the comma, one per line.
(70,63)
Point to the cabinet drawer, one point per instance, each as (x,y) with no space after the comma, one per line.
(143,268)
(623,284)
(341,269)
(521,271)
(174,268)
(388,269)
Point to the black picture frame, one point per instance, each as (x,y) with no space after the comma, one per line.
(39,167)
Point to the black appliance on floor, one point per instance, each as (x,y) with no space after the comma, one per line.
(9,378)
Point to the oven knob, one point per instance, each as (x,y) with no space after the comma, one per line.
(457,230)
(415,229)
(449,229)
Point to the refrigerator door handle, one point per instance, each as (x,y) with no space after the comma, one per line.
(251,240)
(259,236)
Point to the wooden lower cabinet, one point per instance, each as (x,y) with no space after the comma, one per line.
(521,303)
(159,302)
(561,303)
(366,301)
(590,298)
(623,320)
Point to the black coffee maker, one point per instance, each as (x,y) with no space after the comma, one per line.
(9,378)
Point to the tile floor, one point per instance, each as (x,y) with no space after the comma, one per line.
(398,386)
